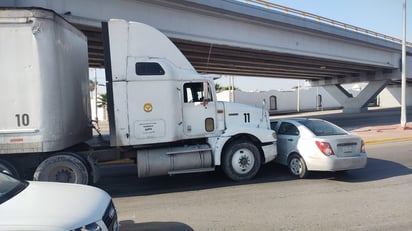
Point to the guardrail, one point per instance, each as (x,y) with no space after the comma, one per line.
(321,19)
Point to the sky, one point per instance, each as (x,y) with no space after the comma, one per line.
(382,16)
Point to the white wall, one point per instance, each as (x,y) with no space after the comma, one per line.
(391,97)
(286,100)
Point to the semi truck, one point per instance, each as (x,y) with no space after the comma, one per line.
(164,116)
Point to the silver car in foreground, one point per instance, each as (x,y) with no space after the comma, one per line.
(26,205)
(317,145)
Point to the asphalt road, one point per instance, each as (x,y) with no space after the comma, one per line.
(374,117)
(377,197)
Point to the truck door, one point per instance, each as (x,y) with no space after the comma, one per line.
(199,109)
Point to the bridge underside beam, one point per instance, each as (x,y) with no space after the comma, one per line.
(361,76)
(359,103)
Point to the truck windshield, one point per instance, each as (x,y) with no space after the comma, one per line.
(9,187)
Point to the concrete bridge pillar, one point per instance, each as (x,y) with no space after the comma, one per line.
(359,103)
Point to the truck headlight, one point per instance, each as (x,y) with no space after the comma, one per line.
(274,135)
(90,227)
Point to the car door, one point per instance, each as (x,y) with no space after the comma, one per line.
(288,136)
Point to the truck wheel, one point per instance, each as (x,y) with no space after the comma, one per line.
(8,168)
(241,160)
(297,166)
(62,168)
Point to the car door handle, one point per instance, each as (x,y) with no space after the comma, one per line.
(290,139)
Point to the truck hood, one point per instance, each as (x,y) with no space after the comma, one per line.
(246,115)
(53,206)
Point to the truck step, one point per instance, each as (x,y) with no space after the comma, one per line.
(174,152)
(191,171)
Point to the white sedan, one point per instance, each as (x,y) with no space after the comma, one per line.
(317,145)
(54,206)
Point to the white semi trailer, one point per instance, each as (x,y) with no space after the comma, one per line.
(162,113)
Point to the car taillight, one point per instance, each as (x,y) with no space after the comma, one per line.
(362,147)
(325,148)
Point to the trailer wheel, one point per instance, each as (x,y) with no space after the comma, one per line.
(241,160)
(65,168)
(8,168)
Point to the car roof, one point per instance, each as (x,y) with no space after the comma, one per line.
(296,119)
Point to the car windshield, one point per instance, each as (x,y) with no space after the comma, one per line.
(323,128)
(9,187)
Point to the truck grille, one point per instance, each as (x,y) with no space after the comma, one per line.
(110,218)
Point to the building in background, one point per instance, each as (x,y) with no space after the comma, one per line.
(279,102)
(391,96)
(310,99)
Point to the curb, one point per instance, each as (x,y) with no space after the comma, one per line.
(389,139)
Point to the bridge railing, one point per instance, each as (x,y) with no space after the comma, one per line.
(321,19)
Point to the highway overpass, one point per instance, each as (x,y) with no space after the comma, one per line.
(231,37)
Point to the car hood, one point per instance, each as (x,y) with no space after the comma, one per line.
(53,206)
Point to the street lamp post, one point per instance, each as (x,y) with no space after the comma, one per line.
(298,97)
(403,82)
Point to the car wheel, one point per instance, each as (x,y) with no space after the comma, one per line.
(241,160)
(297,166)
(65,168)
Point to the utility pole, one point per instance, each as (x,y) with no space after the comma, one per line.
(403,82)
(95,95)
(298,97)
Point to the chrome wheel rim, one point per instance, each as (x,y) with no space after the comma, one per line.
(243,161)
(295,166)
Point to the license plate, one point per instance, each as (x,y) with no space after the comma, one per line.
(347,149)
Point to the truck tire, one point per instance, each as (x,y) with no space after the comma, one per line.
(8,168)
(64,167)
(241,160)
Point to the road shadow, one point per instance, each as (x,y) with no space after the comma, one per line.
(376,169)
(129,225)
(123,181)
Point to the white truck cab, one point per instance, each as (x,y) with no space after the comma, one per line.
(159,98)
